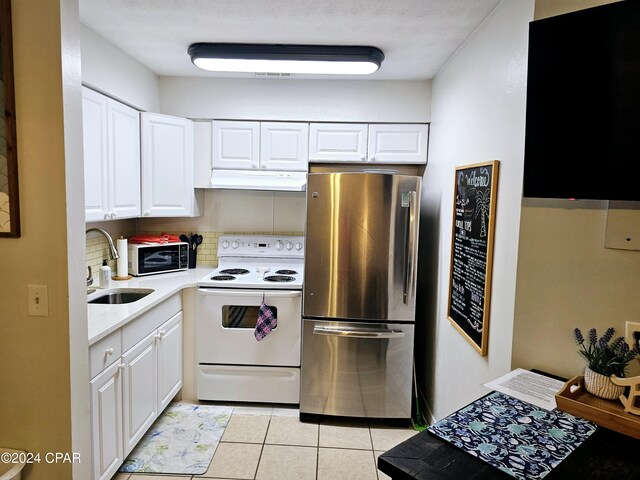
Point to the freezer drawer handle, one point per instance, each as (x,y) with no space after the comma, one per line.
(357,333)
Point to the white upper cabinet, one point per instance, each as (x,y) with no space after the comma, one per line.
(368,143)
(237,145)
(338,142)
(124,148)
(111,135)
(167,167)
(398,143)
(284,146)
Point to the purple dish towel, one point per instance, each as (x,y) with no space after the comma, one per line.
(266,322)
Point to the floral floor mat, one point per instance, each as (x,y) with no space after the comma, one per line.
(518,438)
(181,441)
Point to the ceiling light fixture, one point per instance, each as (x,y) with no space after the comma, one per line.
(304,59)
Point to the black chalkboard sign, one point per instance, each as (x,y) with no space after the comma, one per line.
(474,210)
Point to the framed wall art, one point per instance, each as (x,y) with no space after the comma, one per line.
(472,251)
(9,198)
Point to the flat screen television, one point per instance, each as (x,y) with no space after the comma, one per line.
(583,105)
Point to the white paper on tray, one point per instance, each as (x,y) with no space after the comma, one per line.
(529,387)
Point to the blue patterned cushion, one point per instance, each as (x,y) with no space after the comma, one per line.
(520,439)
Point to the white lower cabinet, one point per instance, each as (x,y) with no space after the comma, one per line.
(169,361)
(106,422)
(129,395)
(140,387)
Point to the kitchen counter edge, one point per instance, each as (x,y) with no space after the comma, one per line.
(103,320)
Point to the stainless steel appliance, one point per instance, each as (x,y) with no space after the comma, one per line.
(359,294)
(232,364)
(147,259)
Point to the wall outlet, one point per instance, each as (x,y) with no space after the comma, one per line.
(630,328)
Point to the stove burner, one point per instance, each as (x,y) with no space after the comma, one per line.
(286,272)
(235,271)
(223,277)
(279,278)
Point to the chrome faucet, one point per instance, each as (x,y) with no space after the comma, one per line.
(113,252)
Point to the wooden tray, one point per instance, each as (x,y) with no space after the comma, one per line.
(606,413)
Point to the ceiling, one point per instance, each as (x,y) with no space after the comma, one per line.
(417,36)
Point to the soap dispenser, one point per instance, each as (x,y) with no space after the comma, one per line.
(105,275)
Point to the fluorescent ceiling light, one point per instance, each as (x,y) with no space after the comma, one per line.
(305,59)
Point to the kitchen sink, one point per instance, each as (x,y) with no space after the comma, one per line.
(121,295)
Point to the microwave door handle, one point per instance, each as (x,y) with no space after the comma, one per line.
(333,332)
(409,270)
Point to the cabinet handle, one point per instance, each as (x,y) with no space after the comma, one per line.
(162,333)
(121,366)
(106,216)
(109,351)
(147,213)
(363,158)
(254,165)
(372,158)
(113,215)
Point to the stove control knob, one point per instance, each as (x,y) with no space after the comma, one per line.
(225,244)
(299,246)
(288,245)
(235,244)
(279,245)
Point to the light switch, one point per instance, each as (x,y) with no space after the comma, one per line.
(38,301)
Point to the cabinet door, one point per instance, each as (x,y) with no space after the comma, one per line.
(167,166)
(337,142)
(124,160)
(397,143)
(94,133)
(140,387)
(235,145)
(284,146)
(169,360)
(106,422)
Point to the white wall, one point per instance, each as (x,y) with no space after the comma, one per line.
(109,70)
(478,114)
(289,99)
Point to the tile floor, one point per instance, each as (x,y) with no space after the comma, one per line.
(265,443)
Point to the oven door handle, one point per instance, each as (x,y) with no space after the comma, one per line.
(353,333)
(251,293)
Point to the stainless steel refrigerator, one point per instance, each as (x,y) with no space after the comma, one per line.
(359,295)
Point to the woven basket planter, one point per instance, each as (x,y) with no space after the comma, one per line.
(601,386)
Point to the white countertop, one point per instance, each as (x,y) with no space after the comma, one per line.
(105,319)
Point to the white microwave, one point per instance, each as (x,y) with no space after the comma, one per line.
(145,259)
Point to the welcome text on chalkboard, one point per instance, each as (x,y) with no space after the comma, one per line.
(472,251)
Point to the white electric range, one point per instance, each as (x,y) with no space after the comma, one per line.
(231,364)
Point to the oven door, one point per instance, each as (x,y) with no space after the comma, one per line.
(226,321)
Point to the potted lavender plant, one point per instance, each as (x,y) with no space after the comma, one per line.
(604,358)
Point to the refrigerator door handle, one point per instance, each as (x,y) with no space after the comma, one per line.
(409,271)
(338,332)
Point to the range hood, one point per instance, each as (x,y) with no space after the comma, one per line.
(259,180)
